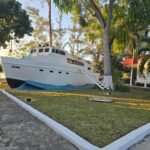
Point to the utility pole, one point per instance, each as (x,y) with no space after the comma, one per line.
(50,22)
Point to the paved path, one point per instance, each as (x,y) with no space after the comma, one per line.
(143,145)
(21,131)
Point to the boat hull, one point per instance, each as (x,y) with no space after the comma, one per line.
(21,72)
(31,85)
(14,83)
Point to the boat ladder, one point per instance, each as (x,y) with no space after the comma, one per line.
(93,78)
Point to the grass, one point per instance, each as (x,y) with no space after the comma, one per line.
(3,85)
(99,123)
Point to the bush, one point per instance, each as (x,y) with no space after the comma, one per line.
(1,69)
(118,86)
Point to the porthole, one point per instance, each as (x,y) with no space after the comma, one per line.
(16,67)
(51,71)
(41,70)
(59,72)
(67,72)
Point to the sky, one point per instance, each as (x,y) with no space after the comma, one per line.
(44,11)
(66,22)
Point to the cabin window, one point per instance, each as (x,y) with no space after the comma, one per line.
(59,72)
(41,70)
(61,52)
(33,50)
(53,50)
(75,62)
(89,68)
(51,71)
(16,67)
(40,50)
(46,49)
(58,51)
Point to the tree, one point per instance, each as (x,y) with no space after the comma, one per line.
(40,31)
(14,21)
(136,21)
(75,41)
(144,66)
(59,32)
(1,69)
(95,8)
(144,51)
(50,22)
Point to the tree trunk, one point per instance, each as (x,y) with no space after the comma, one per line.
(131,43)
(50,23)
(108,81)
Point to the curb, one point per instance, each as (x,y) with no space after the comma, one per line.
(60,129)
(123,143)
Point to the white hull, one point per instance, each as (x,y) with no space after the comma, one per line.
(50,75)
(51,69)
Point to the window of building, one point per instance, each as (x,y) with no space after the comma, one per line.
(32,51)
(46,49)
(40,50)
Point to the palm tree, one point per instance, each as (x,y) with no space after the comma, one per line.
(50,22)
(144,51)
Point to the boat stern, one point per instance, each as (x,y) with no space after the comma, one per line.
(10,68)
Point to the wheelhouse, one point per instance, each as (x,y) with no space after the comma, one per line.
(46,51)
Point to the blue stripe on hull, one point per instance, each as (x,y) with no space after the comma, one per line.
(31,85)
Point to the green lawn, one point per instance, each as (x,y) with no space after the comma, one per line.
(99,123)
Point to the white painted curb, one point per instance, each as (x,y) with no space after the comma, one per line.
(68,134)
(121,144)
(130,139)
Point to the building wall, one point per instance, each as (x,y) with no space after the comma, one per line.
(145,80)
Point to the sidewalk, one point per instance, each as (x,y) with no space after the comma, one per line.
(142,145)
(19,130)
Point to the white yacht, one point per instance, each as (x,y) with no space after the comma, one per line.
(49,68)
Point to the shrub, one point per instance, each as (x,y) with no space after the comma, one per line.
(118,85)
(1,69)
